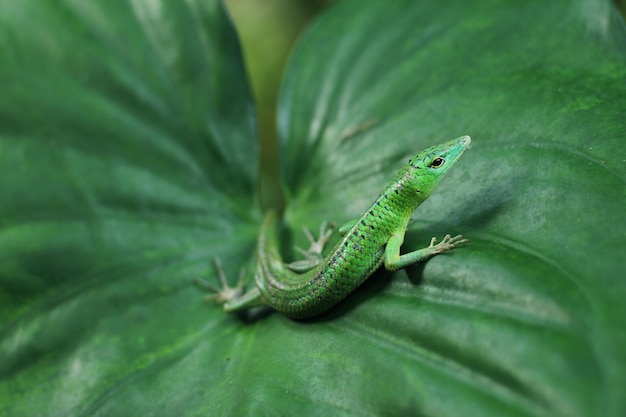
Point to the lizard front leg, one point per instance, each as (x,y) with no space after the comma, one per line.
(394,261)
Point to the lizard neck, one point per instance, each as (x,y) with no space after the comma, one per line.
(393,208)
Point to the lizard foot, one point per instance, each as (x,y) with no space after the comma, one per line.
(317,245)
(313,255)
(447,243)
(225,293)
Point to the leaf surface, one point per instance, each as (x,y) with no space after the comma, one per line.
(525,320)
(128,135)
(127,141)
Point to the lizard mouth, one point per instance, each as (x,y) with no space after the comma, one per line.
(466,141)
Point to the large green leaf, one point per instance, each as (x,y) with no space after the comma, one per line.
(127,141)
(128,155)
(526,321)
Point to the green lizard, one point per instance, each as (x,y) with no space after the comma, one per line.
(307,288)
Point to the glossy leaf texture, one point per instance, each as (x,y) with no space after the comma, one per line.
(128,135)
(528,319)
(129,159)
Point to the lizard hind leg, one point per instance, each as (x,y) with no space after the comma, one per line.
(226,293)
(232,298)
(313,255)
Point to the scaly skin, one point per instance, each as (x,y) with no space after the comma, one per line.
(371,241)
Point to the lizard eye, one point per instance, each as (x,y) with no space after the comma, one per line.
(437,162)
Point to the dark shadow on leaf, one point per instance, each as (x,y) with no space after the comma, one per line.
(252,315)
(476,214)
(415,273)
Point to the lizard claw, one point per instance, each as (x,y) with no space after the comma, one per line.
(225,293)
(313,256)
(317,245)
(447,243)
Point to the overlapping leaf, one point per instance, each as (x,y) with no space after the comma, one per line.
(128,155)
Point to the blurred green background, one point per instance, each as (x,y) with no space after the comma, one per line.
(268,29)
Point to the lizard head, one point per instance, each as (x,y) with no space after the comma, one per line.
(425,170)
